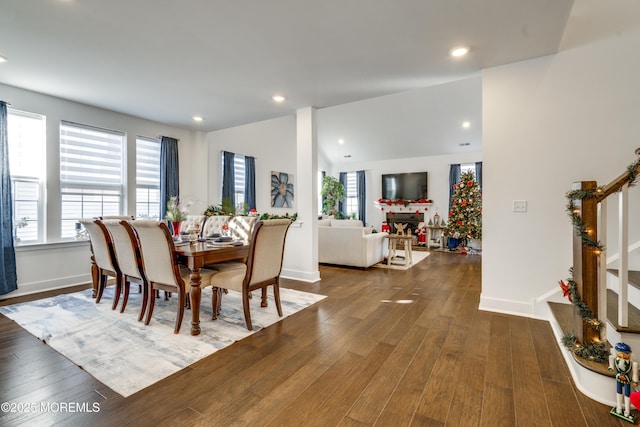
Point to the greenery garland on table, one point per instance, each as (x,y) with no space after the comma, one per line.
(597,352)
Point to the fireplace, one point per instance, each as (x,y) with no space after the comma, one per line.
(411,219)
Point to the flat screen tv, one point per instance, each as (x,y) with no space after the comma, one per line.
(406,186)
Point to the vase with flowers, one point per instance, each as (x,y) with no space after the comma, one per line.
(176,213)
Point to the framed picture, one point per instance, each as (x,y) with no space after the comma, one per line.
(281,190)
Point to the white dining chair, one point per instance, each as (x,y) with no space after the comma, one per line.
(161,268)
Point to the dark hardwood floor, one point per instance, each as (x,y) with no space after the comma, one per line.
(386,348)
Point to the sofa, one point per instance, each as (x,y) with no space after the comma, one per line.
(348,242)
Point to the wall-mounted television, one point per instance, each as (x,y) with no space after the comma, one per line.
(406,186)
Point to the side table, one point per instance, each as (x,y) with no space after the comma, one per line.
(407,242)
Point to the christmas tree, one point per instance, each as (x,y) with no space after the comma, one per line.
(465,217)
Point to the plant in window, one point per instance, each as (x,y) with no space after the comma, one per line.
(332,192)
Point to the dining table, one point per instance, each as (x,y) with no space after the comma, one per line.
(197,254)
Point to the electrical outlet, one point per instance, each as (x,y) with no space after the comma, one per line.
(519,205)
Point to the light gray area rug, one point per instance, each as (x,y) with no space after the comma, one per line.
(416,257)
(116,349)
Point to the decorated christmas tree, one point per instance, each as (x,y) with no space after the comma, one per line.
(465,217)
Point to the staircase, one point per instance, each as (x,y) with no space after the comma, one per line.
(606,289)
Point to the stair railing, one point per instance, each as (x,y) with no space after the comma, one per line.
(590,259)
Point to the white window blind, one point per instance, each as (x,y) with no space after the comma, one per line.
(352,194)
(91,174)
(26,137)
(239,172)
(147,178)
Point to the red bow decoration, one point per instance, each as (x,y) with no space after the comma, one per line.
(566,292)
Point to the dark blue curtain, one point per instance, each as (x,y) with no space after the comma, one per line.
(362,196)
(169,172)
(479,174)
(250,181)
(228,176)
(342,205)
(8,275)
(454,178)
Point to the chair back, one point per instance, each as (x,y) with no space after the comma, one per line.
(267,250)
(214,224)
(192,221)
(241,227)
(101,244)
(126,247)
(157,252)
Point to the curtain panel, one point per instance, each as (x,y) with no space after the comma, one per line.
(228,176)
(342,205)
(8,275)
(362,196)
(250,181)
(169,172)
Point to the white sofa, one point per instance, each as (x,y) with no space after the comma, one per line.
(347,242)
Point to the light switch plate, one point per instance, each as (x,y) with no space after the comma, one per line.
(519,205)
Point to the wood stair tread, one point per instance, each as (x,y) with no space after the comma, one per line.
(612,314)
(564,315)
(634,276)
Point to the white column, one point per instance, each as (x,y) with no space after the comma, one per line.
(302,239)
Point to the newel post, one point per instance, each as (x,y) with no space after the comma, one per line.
(585,263)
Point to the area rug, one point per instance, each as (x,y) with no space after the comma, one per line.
(417,256)
(116,349)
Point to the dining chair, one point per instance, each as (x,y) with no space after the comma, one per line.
(241,227)
(104,261)
(261,268)
(127,252)
(193,221)
(160,266)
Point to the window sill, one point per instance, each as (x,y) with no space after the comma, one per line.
(29,247)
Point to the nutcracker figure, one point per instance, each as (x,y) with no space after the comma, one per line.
(626,376)
(385,227)
(421,231)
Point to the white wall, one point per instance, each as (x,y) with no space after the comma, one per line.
(53,265)
(546,123)
(271,142)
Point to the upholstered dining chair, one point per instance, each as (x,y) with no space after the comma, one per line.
(161,268)
(261,269)
(127,251)
(104,261)
(193,221)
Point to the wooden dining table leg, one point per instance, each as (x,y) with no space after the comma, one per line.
(196,296)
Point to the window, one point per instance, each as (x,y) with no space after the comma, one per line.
(26,136)
(239,172)
(147,178)
(351,193)
(467,167)
(238,180)
(91,174)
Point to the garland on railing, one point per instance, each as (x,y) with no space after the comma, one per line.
(596,351)
(579,225)
(632,172)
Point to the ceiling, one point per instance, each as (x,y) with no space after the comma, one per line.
(168,61)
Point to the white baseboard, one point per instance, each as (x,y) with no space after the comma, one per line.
(48,285)
(303,276)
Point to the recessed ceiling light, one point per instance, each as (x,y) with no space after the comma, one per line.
(466,124)
(3,59)
(198,118)
(341,141)
(459,51)
(278,98)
